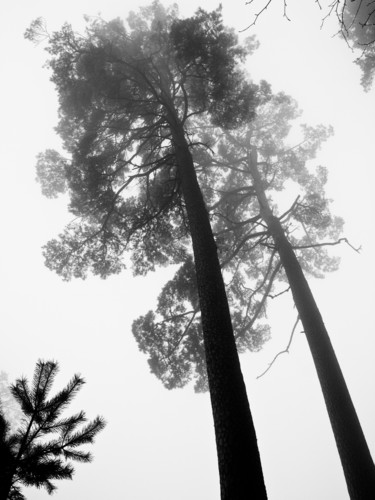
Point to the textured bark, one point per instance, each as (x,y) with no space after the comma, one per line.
(240,468)
(355,456)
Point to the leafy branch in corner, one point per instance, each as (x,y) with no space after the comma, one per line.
(41,449)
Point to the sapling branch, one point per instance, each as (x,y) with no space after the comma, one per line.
(256,15)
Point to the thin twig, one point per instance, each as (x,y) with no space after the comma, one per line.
(278,294)
(285,11)
(281,352)
(256,15)
(331,243)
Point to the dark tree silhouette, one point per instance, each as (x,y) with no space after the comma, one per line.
(171,335)
(42,447)
(258,246)
(127,96)
(354,453)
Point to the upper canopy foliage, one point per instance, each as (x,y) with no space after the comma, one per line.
(121,89)
(172,334)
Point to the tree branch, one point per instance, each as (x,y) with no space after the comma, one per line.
(249,2)
(290,209)
(286,350)
(328,243)
(280,293)
(267,290)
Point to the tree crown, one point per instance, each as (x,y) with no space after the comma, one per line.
(121,89)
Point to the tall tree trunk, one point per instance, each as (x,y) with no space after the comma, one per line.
(355,456)
(240,468)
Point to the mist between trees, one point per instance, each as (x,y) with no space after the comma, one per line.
(174,156)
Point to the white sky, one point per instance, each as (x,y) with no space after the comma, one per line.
(160,444)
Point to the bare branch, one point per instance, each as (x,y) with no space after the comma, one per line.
(278,294)
(328,243)
(285,11)
(235,224)
(256,15)
(261,235)
(290,209)
(266,291)
(286,350)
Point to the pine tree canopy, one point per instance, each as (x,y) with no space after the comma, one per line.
(121,87)
(171,335)
(117,85)
(129,94)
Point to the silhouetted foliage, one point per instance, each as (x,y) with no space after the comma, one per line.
(259,244)
(171,336)
(121,173)
(295,240)
(45,442)
(127,95)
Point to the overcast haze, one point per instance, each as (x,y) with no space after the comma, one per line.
(160,444)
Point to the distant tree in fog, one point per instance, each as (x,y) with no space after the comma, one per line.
(262,250)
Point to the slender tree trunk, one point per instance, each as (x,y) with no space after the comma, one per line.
(240,468)
(355,456)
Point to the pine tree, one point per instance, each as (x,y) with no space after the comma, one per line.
(127,96)
(260,244)
(45,443)
(171,335)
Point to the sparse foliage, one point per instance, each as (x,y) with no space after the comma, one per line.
(356,25)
